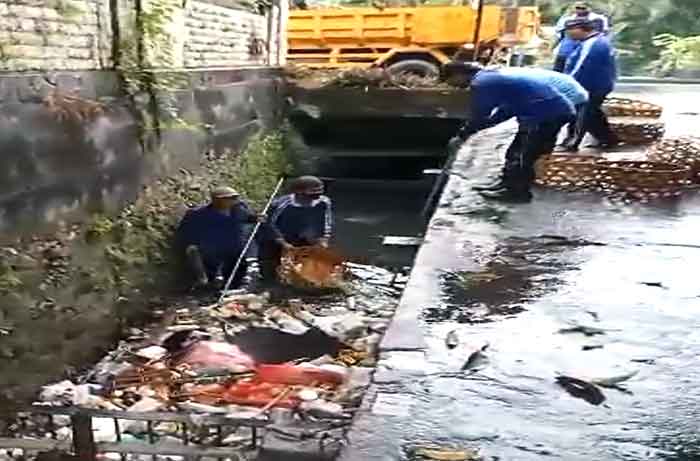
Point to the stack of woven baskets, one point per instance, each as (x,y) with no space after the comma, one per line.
(670,165)
(635,122)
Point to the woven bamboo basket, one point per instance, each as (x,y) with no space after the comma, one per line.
(311,268)
(678,151)
(568,172)
(624,107)
(642,180)
(637,131)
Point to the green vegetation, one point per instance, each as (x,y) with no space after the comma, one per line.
(652,36)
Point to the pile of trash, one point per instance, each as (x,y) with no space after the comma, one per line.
(358,77)
(241,358)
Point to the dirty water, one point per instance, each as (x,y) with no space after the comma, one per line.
(571,284)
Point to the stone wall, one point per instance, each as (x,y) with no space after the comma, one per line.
(54,34)
(77,34)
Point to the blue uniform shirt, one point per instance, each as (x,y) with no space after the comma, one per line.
(300,224)
(215,233)
(567,45)
(593,65)
(563,83)
(497,96)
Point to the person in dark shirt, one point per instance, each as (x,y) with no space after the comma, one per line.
(500,95)
(302,218)
(212,237)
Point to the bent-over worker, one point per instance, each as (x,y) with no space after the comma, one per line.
(212,237)
(568,87)
(499,95)
(302,218)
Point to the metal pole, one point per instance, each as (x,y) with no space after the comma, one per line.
(477,29)
(249,242)
(83,440)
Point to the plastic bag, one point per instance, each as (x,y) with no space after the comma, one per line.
(212,354)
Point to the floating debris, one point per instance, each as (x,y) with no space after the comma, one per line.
(654,284)
(591,347)
(444,454)
(452,339)
(476,359)
(585,330)
(581,389)
(614,381)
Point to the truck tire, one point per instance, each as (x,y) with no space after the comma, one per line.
(416,67)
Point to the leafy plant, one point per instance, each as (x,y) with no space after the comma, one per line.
(676,53)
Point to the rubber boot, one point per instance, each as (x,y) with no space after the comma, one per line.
(496,185)
(508,195)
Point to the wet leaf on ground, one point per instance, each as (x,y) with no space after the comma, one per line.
(445,454)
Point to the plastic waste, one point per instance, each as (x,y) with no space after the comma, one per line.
(152,352)
(298,375)
(261,394)
(211,354)
(323,409)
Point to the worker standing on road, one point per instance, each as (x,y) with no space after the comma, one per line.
(212,237)
(497,96)
(566,45)
(568,87)
(594,66)
(302,218)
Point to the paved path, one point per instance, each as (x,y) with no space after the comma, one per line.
(485,274)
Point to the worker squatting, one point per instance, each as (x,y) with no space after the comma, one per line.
(212,236)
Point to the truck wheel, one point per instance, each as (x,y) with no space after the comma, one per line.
(415,67)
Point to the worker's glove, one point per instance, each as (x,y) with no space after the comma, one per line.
(323,243)
(261,218)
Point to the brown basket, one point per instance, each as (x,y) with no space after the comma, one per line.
(643,180)
(678,151)
(624,107)
(567,172)
(311,268)
(637,131)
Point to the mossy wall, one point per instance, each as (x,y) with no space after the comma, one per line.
(73,278)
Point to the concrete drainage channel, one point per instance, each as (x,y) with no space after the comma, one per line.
(256,379)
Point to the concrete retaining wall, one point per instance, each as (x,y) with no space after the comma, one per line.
(78,34)
(53,169)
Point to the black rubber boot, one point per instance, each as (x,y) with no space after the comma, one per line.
(508,195)
(496,185)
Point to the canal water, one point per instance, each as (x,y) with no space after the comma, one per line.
(519,279)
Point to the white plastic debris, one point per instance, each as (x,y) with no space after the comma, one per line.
(323,409)
(307,395)
(152,352)
(59,392)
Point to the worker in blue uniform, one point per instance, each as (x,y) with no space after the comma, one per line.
(566,45)
(302,218)
(212,237)
(594,66)
(497,96)
(568,87)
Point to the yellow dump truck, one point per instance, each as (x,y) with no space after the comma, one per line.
(415,39)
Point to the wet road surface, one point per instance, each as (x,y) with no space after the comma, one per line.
(493,274)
